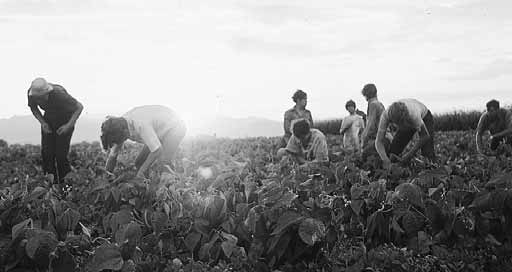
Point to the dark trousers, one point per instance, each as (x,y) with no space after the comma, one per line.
(495,142)
(404,135)
(54,152)
(170,144)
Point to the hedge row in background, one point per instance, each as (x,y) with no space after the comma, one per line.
(453,121)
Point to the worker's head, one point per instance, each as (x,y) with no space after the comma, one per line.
(39,88)
(492,108)
(350,106)
(114,130)
(301,129)
(399,115)
(369,91)
(300,98)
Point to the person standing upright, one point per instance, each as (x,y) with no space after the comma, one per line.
(499,123)
(61,111)
(299,111)
(351,128)
(374,111)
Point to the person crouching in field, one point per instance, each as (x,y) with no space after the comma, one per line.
(351,129)
(299,111)
(411,117)
(61,111)
(306,144)
(499,122)
(157,127)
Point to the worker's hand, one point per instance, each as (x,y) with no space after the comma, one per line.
(386,164)
(395,158)
(46,128)
(64,129)
(140,174)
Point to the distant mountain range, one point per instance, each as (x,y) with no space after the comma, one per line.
(26,129)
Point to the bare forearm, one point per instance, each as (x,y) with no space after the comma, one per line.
(76,114)
(380,149)
(37,114)
(111,163)
(416,147)
(152,157)
(479,142)
(504,133)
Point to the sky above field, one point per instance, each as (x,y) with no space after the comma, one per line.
(246,58)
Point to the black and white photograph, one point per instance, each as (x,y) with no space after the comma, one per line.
(256,135)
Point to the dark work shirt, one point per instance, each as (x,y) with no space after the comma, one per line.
(58,108)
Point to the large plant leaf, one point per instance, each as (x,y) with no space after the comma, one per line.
(18,228)
(131,232)
(36,193)
(68,220)
(229,243)
(107,256)
(159,220)
(119,219)
(287,219)
(311,231)
(191,240)
(39,245)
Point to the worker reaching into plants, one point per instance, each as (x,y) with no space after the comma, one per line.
(410,117)
(299,111)
(498,121)
(351,129)
(159,128)
(61,111)
(305,144)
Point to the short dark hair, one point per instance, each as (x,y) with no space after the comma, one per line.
(493,104)
(350,103)
(114,130)
(298,95)
(301,128)
(369,90)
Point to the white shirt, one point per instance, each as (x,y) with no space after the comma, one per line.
(352,125)
(149,124)
(417,111)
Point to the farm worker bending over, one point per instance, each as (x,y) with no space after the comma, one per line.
(299,111)
(351,128)
(306,144)
(499,122)
(410,116)
(157,127)
(61,111)
(375,110)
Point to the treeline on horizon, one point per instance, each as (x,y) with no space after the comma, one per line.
(451,121)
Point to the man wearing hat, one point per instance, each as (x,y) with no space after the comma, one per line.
(61,111)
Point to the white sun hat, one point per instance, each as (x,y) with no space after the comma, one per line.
(39,87)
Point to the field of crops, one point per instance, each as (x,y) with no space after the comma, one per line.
(231,207)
